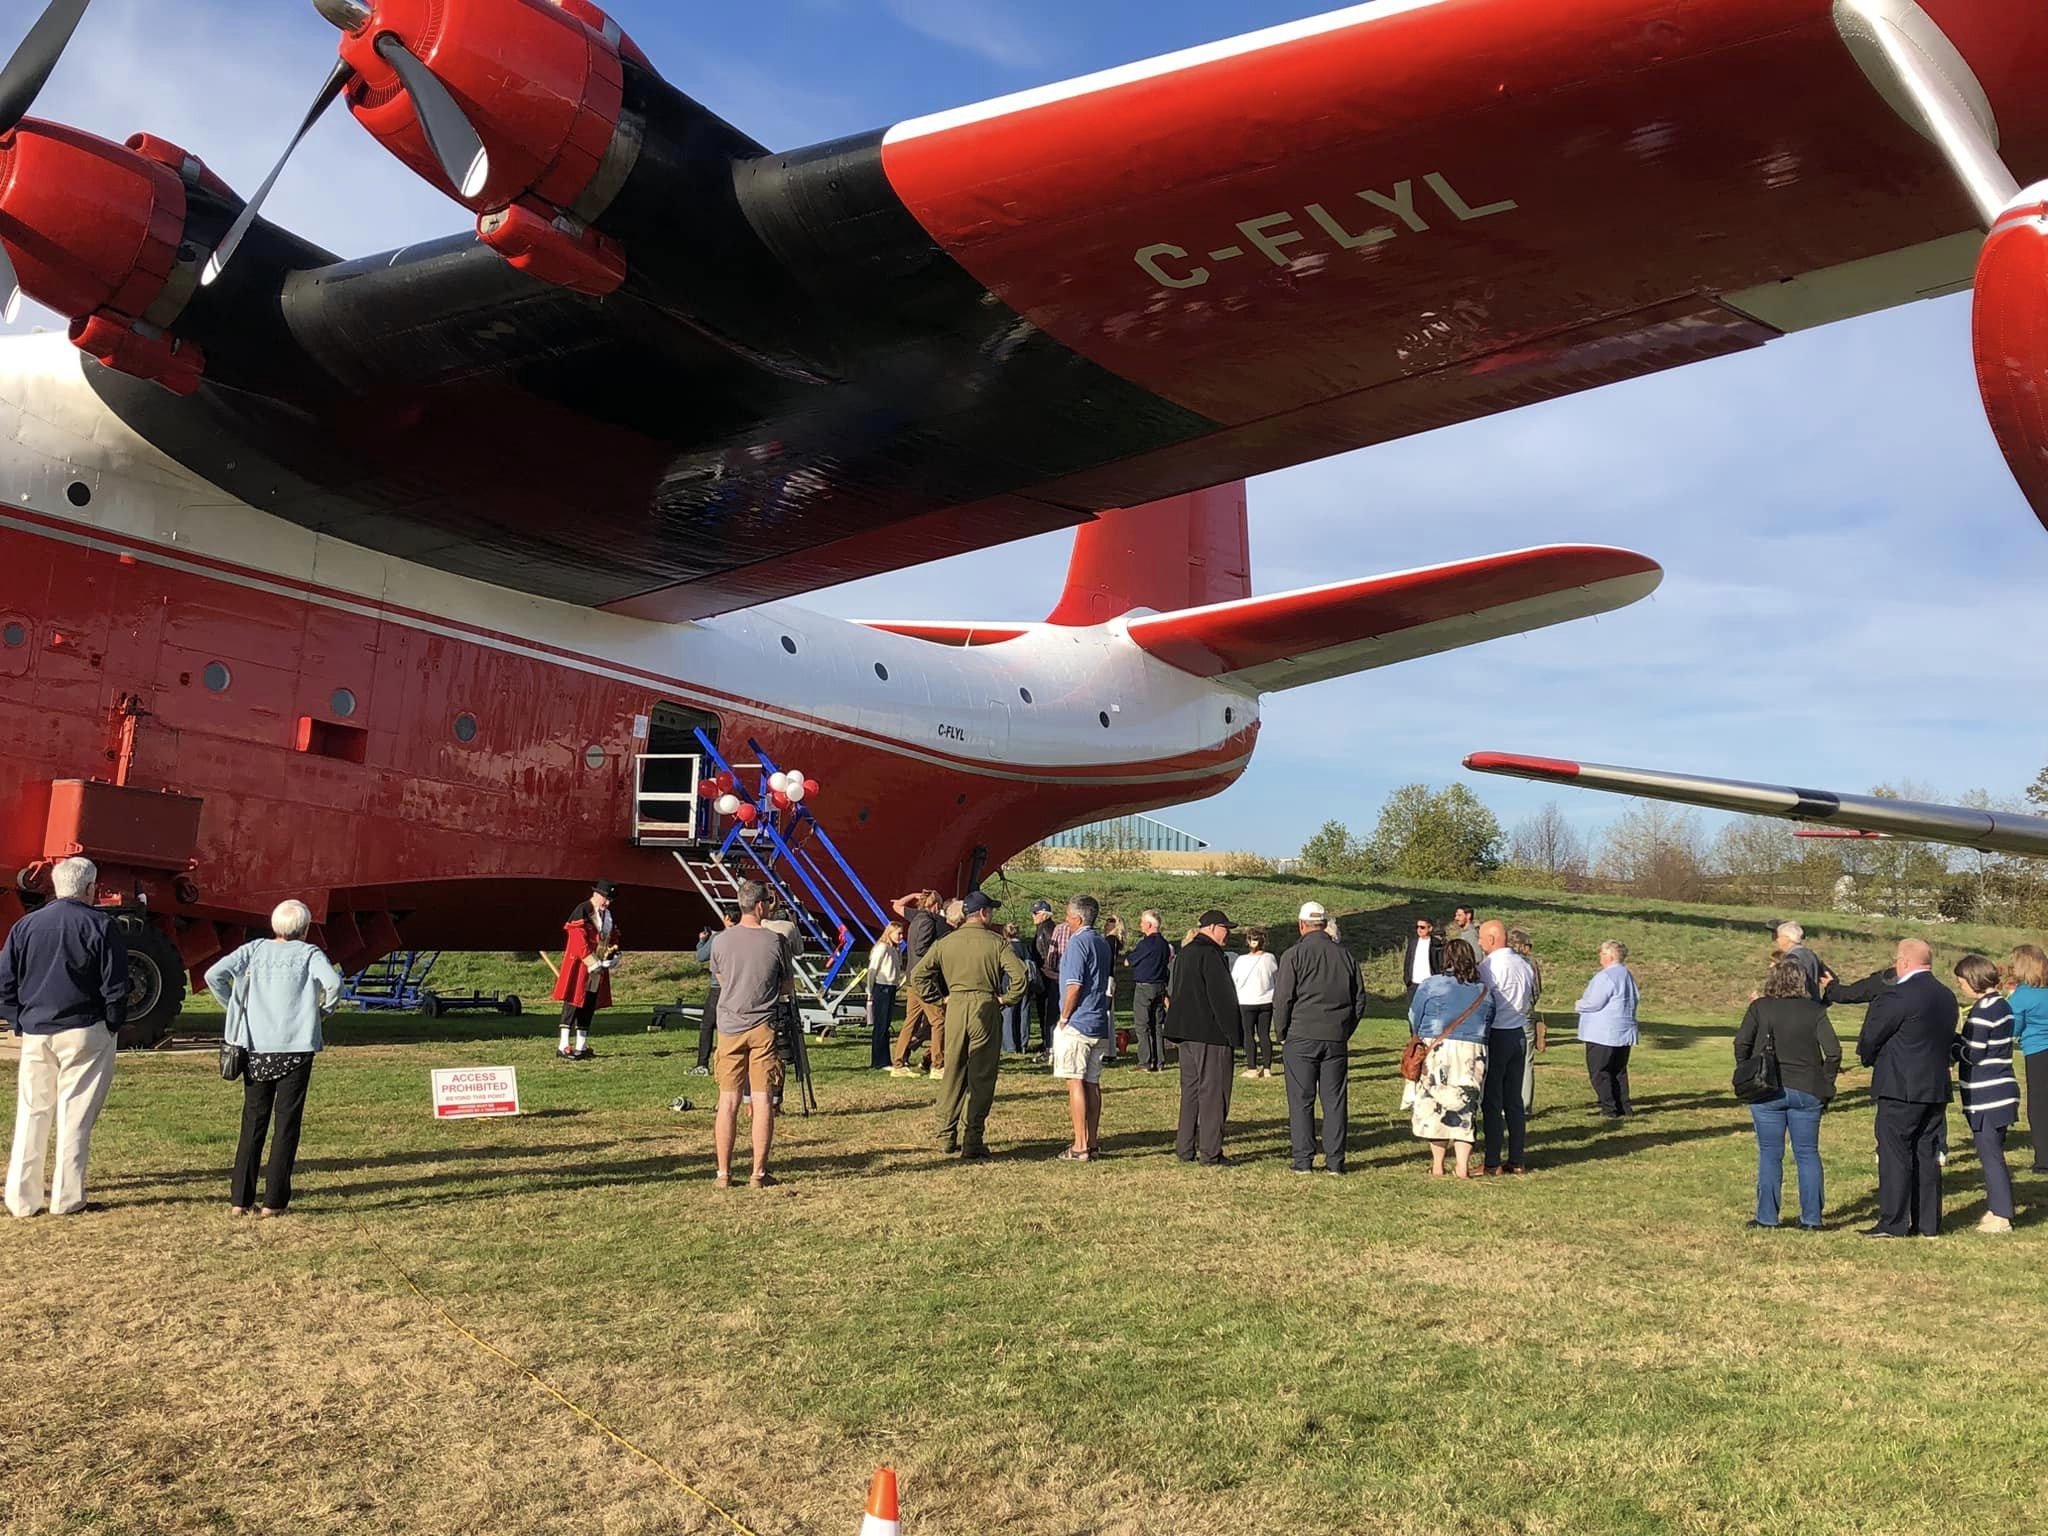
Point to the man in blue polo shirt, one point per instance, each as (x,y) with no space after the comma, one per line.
(1082,1039)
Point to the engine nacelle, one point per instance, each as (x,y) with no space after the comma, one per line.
(542,82)
(2009,325)
(97,232)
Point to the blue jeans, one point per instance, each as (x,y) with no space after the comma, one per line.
(881,1019)
(1800,1114)
(1017,1026)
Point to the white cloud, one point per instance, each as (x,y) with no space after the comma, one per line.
(981,27)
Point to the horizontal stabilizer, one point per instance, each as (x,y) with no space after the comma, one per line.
(1300,637)
(1849,815)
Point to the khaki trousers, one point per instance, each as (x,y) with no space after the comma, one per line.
(974,1028)
(64,1081)
(921,1018)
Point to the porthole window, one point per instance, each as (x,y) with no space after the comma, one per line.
(593,756)
(863,816)
(343,703)
(1024,694)
(78,493)
(789,644)
(216,677)
(1230,717)
(14,636)
(465,727)
(1104,718)
(882,672)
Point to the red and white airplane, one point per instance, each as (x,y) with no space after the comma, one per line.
(366,581)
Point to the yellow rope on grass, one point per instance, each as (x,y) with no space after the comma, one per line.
(561,1397)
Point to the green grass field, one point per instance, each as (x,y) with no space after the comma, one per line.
(1131,1347)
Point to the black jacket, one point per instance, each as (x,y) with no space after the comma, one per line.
(1905,1040)
(1436,959)
(1861,991)
(64,966)
(1317,993)
(1202,1000)
(1809,1055)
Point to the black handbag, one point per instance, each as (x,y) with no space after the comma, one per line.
(1758,1080)
(234,1059)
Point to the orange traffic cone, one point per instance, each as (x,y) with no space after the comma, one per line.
(881,1519)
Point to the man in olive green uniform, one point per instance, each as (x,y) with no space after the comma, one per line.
(977,973)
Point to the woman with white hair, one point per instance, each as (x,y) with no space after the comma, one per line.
(1607,1029)
(275,991)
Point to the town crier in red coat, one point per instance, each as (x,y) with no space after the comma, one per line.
(584,983)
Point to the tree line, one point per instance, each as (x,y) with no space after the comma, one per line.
(1662,851)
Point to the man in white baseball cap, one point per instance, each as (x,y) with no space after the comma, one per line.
(1313,912)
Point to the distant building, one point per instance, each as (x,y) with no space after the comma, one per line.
(1138,834)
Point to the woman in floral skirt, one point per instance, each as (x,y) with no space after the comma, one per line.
(1451,1012)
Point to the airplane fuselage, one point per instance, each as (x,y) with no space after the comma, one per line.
(375,736)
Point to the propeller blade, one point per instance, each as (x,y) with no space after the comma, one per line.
(450,135)
(337,81)
(10,289)
(22,80)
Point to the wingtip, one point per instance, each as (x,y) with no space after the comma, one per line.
(1555,769)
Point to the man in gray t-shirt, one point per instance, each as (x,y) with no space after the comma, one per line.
(751,966)
(752,971)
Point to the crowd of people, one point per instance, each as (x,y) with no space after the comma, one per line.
(975,988)
(1919,1048)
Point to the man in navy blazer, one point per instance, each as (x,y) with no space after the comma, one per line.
(1905,1043)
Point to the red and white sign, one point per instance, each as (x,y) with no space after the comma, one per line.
(468,1093)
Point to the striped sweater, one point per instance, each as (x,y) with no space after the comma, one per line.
(1983,1051)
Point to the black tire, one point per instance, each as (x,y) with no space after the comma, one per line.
(510,1006)
(430,1005)
(156,983)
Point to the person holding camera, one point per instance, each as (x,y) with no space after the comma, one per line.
(750,965)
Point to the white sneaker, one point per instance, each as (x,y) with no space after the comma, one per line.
(1991,1223)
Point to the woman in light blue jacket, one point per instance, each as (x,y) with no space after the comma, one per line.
(1607,1029)
(276,991)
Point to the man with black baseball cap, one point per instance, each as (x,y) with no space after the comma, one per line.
(1204,1019)
(977,973)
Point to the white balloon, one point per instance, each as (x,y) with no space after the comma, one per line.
(727,804)
(795,792)
(793,776)
(778,781)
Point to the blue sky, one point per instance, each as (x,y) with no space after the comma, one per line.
(1853,580)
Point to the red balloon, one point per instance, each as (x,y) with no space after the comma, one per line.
(746,814)
(726,782)
(780,800)
(810,786)
(707,789)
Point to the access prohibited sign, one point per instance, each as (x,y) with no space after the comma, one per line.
(470,1093)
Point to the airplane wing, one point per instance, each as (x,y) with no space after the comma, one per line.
(1292,638)
(1838,814)
(672,373)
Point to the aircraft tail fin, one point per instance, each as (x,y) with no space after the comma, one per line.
(1183,552)
(1292,638)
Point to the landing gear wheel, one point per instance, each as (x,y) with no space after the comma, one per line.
(156,983)
(509,1006)
(430,1005)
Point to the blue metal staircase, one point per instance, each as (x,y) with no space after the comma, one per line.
(790,852)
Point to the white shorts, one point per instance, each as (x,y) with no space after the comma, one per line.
(1077,1057)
